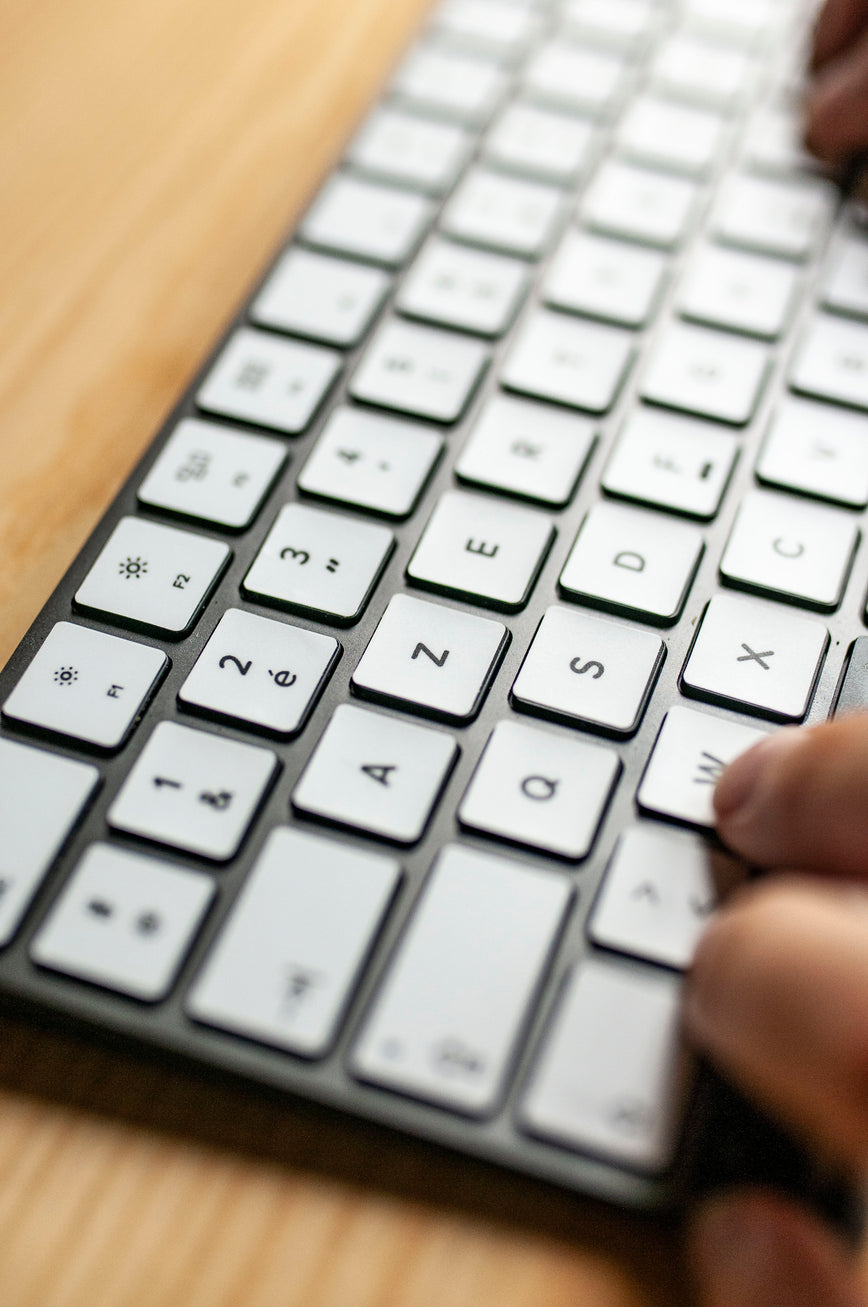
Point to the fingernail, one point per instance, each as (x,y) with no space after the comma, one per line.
(734,1245)
(741,785)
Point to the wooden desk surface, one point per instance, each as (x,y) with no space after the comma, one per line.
(152,155)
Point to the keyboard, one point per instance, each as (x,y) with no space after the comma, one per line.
(366,751)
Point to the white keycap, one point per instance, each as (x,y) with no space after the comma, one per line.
(817,450)
(606,279)
(661,887)
(376,774)
(286,962)
(740,22)
(582,668)
(627,26)
(527,449)
(541,143)
(611,1078)
(450,84)
(505,213)
(314,295)
(416,370)
(193,790)
(687,68)
(707,373)
(124,921)
(576,363)
(773,143)
(320,563)
(583,81)
(640,564)
(756,656)
(273,383)
(86,684)
(689,756)
(789,549)
(644,206)
(481,548)
(42,797)
(785,218)
(410,151)
(447,1033)
(725,288)
(490,27)
(671,462)
(213,474)
(357,217)
(674,137)
(372,461)
(845,282)
(434,659)
(154,576)
(467,289)
(546,791)
(261,672)
(832,361)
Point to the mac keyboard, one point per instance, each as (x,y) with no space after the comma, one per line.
(366,751)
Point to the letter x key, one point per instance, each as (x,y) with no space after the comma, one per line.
(750,657)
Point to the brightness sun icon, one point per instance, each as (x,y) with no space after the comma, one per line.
(131,567)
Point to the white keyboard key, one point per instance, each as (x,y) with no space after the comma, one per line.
(791,550)
(505,213)
(689,756)
(582,81)
(319,563)
(740,22)
(817,451)
(580,364)
(153,576)
(450,84)
(315,295)
(740,292)
(611,1077)
(845,283)
(260,672)
(832,361)
(627,26)
(432,659)
(371,461)
(483,549)
(773,143)
(491,27)
(528,450)
(636,563)
(447,1033)
(674,137)
(415,370)
(707,373)
(467,289)
(687,68)
(42,797)
(194,791)
(357,217)
(606,279)
(86,685)
(124,921)
(582,668)
(661,887)
(213,474)
(643,206)
(545,791)
(671,462)
(542,144)
(376,774)
(786,218)
(410,151)
(756,657)
(271,382)
(286,962)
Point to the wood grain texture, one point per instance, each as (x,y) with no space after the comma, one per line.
(152,155)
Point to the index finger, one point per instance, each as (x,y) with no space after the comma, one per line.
(840,23)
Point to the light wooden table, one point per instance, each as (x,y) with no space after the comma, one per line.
(151,154)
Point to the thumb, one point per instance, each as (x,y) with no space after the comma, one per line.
(751,1248)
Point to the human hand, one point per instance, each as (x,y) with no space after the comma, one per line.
(837,102)
(778,997)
